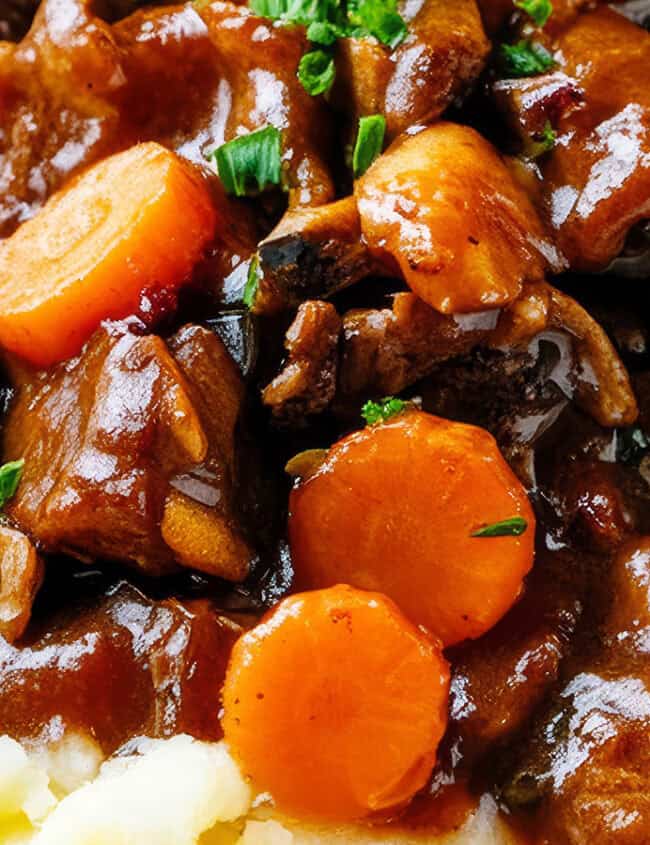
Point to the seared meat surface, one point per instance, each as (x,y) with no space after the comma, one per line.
(431,217)
(130,454)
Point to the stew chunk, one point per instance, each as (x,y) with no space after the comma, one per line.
(398,508)
(129,453)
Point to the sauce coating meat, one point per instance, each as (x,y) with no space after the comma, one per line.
(403,255)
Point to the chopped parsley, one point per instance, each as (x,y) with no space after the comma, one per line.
(369,144)
(513,527)
(526,58)
(327,20)
(316,72)
(539,10)
(10,475)
(542,142)
(632,445)
(378,18)
(251,163)
(376,412)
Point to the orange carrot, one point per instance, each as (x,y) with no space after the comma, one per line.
(335,704)
(137,220)
(394,508)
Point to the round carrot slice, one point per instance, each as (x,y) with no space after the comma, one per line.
(398,506)
(335,704)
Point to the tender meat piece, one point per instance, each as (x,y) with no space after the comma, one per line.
(596,180)
(115,667)
(443,55)
(21,574)
(442,207)
(307,383)
(500,680)
(77,88)
(386,351)
(312,253)
(589,759)
(132,434)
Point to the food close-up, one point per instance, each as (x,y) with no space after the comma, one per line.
(325,422)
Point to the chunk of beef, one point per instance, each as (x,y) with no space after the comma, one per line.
(78,88)
(500,681)
(21,574)
(440,209)
(588,761)
(443,54)
(307,383)
(129,453)
(115,667)
(386,351)
(596,179)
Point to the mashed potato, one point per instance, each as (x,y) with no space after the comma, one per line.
(167,792)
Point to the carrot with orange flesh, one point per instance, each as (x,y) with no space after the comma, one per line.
(335,704)
(136,221)
(398,506)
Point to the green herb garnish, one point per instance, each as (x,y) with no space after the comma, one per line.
(632,445)
(250,163)
(542,142)
(316,72)
(294,11)
(513,527)
(10,475)
(376,412)
(526,58)
(539,10)
(378,18)
(369,144)
(252,282)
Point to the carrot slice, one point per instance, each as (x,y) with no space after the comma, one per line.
(335,704)
(395,507)
(139,219)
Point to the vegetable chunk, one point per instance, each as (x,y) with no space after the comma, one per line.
(137,220)
(400,507)
(336,703)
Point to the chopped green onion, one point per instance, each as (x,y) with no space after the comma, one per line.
(526,58)
(369,144)
(316,72)
(252,282)
(376,412)
(10,475)
(513,527)
(251,162)
(539,10)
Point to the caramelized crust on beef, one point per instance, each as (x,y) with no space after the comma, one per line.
(21,574)
(130,435)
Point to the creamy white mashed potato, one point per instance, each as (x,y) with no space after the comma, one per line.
(167,792)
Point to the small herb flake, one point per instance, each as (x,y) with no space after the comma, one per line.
(369,144)
(316,72)
(385,409)
(251,163)
(378,18)
(10,475)
(526,58)
(539,10)
(252,282)
(513,527)
(542,142)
